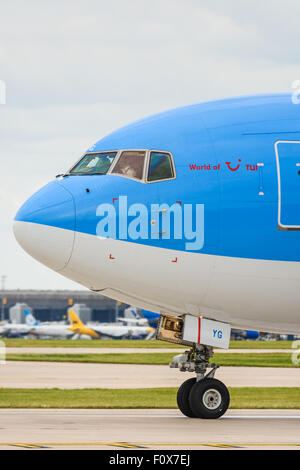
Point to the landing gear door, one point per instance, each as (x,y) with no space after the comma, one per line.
(288,172)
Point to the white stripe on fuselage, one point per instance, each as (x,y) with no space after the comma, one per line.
(247,293)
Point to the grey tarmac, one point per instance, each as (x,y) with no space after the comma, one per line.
(68,375)
(147,429)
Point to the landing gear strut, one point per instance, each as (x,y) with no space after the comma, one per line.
(204,396)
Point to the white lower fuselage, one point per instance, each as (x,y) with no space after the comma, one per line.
(246,293)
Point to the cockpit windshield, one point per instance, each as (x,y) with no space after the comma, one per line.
(145,166)
(131,164)
(94,164)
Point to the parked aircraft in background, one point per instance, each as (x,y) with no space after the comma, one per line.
(144,318)
(203,204)
(151,317)
(34,328)
(16,330)
(244,334)
(110,331)
(29,318)
(132,317)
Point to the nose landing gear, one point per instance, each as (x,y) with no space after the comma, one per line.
(202,397)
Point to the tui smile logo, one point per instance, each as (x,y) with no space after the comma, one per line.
(233,169)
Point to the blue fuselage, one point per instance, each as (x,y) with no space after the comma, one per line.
(225,158)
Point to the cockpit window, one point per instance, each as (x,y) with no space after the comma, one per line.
(94,164)
(160,167)
(131,164)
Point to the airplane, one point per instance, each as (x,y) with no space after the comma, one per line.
(132,317)
(203,203)
(15,330)
(30,320)
(145,318)
(109,331)
(151,317)
(245,335)
(70,331)
(34,328)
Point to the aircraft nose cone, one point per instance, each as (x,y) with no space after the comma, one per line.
(44,226)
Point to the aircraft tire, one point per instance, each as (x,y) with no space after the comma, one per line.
(209,399)
(183,397)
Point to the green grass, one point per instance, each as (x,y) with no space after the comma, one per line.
(228,359)
(101,343)
(60,343)
(254,360)
(261,344)
(156,398)
(141,358)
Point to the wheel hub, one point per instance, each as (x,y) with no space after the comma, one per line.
(212,399)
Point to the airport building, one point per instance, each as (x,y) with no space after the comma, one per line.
(52,305)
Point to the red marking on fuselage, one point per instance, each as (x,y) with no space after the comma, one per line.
(199,329)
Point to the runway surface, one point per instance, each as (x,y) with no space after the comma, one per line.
(147,429)
(134,351)
(16,374)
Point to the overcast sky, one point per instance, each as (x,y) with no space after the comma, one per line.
(76,70)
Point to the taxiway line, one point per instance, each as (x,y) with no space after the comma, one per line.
(144,445)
